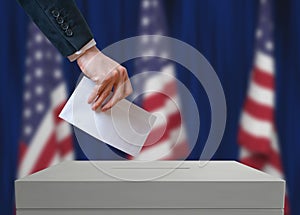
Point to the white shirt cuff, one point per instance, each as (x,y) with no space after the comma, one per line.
(77,54)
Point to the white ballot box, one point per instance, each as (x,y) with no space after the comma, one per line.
(150,188)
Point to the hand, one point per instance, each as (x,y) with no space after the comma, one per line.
(108,75)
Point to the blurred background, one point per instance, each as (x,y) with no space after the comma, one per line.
(254,47)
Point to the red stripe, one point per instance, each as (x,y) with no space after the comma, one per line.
(263,78)
(179,151)
(286,205)
(156,135)
(66,146)
(162,133)
(275,160)
(158,99)
(258,110)
(57,111)
(256,161)
(22,152)
(252,143)
(46,154)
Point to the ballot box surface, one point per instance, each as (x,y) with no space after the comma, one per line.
(149,188)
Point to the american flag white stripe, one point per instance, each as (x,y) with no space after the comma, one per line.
(36,146)
(256,127)
(261,95)
(272,171)
(158,82)
(67,157)
(264,62)
(55,160)
(156,152)
(244,152)
(274,141)
(58,95)
(63,131)
(58,98)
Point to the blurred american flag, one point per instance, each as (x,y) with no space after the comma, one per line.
(257,134)
(46,139)
(167,140)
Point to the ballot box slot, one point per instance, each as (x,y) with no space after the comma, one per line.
(151,168)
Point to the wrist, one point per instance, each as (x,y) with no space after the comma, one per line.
(88,55)
(77,54)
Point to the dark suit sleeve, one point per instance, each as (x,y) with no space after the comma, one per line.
(61,22)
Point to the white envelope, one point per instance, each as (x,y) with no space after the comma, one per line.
(125,127)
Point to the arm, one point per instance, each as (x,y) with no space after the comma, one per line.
(67,30)
(61,22)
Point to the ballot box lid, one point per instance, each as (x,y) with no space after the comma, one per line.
(156,184)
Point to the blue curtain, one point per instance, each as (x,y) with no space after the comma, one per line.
(223,31)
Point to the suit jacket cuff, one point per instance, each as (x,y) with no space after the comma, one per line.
(77,54)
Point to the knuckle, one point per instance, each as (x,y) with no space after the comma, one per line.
(105,83)
(130,91)
(123,69)
(95,79)
(97,103)
(127,93)
(115,73)
(106,79)
(106,93)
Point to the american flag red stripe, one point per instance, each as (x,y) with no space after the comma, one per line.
(257,133)
(45,155)
(66,147)
(57,111)
(179,150)
(173,122)
(246,140)
(46,139)
(263,78)
(156,100)
(260,111)
(22,151)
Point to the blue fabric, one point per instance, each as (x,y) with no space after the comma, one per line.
(223,31)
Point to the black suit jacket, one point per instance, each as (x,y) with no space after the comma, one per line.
(61,22)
